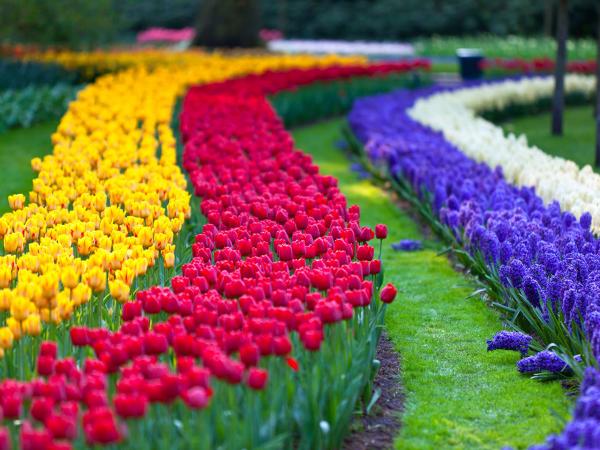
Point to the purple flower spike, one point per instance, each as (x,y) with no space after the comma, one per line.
(583,431)
(407,245)
(510,340)
(545,360)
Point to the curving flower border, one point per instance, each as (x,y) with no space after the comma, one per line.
(108,205)
(281,256)
(455,114)
(540,264)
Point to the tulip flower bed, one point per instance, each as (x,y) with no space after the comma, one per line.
(105,213)
(538,262)
(511,47)
(499,67)
(321,100)
(281,301)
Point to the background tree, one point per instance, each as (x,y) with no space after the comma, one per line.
(558,102)
(80,24)
(549,6)
(228,23)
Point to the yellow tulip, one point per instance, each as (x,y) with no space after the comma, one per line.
(81,294)
(6,297)
(6,338)
(69,277)
(126,275)
(169,260)
(49,284)
(32,325)
(119,290)
(5,276)
(84,245)
(16,201)
(145,236)
(95,279)
(14,242)
(14,326)
(19,308)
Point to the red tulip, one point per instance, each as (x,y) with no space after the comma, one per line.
(365,253)
(381,231)
(12,406)
(49,349)
(79,336)
(388,293)
(41,407)
(249,354)
(61,427)
(375,267)
(32,439)
(131,310)
(257,378)
(130,406)
(155,343)
(196,398)
(312,339)
(45,365)
(100,427)
(5,442)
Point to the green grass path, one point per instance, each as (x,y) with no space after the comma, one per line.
(458,395)
(17,148)
(577,142)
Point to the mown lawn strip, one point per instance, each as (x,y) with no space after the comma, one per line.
(577,142)
(458,395)
(17,148)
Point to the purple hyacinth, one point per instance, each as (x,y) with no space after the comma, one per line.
(517,272)
(545,360)
(510,340)
(360,170)
(555,255)
(584,429)
(407,245)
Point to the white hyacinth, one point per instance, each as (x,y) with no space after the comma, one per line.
(455,114)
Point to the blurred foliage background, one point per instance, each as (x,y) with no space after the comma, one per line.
(91,23)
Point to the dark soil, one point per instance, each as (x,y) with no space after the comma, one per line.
(378,429)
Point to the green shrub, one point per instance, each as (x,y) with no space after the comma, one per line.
(71,23)
(332,98)
(22,108)
(15,74)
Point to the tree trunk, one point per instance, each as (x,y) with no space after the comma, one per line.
(598,89)
(228,23)
(548,16)
(558,103)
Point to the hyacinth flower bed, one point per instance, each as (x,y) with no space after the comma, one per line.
(537,261)
(455,113)
(272,325)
